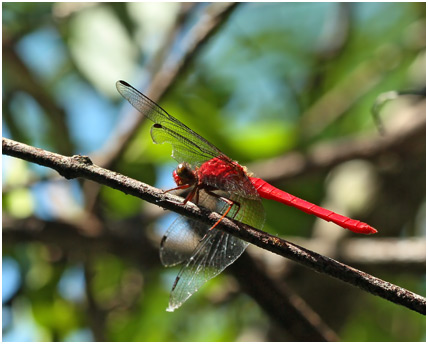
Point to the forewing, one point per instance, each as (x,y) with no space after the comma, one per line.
(187,145)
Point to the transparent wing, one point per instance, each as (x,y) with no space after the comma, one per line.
(180,240)
(205,252)
(213,253)
(184,234)
(187,145)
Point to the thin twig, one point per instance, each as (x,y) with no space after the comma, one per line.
(384,97)
(81,166)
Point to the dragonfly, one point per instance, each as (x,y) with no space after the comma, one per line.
(220,184)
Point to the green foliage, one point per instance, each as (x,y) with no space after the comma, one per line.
(273,79)
(387,321)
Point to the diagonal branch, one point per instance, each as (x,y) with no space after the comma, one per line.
(81,166)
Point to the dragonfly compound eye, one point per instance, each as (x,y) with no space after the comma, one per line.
(184,174)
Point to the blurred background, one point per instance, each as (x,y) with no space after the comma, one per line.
(287,89)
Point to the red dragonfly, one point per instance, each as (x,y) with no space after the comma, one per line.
(220,184)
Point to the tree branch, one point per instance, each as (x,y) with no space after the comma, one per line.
(81,166)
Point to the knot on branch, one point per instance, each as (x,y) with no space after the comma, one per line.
(83,159)
(72,168)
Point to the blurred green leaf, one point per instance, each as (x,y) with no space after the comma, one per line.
(19,203)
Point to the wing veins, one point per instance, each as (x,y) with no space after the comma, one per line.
(158,115)
(197,150)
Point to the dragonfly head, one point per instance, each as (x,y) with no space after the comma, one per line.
(184,174)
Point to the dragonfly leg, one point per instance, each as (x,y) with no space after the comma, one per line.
(189,197)
(227,201)
(181,187)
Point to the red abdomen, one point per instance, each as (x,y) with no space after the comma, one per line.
(268,191)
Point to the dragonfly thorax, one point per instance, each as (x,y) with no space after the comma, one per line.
(184,175)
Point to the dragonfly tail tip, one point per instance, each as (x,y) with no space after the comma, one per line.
(363,228)
(370,230)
